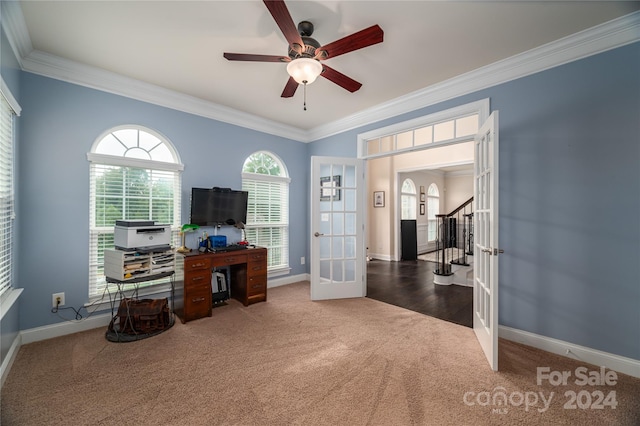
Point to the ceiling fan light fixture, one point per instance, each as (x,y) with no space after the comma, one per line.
(304,70)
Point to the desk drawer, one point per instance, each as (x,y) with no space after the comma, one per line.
(257,256)
(196,264)
(229,259)
(197,279)
(197,304)
(256,298)
(256,268)
(256,285)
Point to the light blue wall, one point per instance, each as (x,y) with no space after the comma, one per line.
(59,124)
(569,199)
(569,191)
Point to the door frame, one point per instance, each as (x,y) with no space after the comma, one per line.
(482,108)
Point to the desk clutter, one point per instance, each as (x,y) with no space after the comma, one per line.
(142,253)
(144,316)
(205,279)
(137,319)
(149,263)
(201,280)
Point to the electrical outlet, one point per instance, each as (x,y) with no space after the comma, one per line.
(57,299)
(302,260)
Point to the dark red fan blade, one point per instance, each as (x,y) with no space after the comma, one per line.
(363,38)
(255,58)
(340,79)
(289,88)
(283,18)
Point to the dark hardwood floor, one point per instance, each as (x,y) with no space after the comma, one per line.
(409,284)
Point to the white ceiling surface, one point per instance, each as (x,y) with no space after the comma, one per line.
(178,45)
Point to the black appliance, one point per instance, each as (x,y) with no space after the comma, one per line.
(409,240)
(218,206)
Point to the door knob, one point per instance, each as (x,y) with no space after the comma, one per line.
(317,234)
(492,251)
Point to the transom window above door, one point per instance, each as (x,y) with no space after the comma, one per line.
(443,128)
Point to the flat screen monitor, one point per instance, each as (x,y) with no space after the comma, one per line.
(218,206)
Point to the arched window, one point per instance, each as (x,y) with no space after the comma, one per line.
(266,179)
(134,175)
(408,199)
(433,208)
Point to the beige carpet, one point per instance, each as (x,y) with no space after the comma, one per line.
(293,361)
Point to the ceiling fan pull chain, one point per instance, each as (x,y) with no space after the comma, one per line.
(305,95)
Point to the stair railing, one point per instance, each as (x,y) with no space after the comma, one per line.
(451,226)
(442,240)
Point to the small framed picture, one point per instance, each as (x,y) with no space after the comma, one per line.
(421,189)
(378,199)
(328,188)
(422,209)
(422,198)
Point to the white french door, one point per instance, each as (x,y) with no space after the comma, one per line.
(485,253)
(337,240)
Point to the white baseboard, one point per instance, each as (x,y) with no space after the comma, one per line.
(617,363)
(277,282)
(63,328)
(377,256)
(8,360)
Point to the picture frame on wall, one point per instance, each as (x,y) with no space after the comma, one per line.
(422,197)
(378,199)
(329,188)
(422,209)
(421,189)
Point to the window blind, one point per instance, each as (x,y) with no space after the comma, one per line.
(128,193)
(7,212)
(268,217)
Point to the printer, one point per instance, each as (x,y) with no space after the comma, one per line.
(141,235)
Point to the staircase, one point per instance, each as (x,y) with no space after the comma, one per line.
(454,246)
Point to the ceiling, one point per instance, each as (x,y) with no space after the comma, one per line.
(178,45)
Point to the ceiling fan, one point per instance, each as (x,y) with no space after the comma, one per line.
(305,53)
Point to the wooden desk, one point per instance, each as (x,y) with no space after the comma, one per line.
(193,293)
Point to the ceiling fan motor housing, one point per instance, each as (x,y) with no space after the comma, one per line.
(305,28)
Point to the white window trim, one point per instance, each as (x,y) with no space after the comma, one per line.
(163,285)
(278,272)
(283,269)
(158,135)
(430,199)
(481,107)
(413,195)
(15,106)
(246,175)
(114,160)
(9,295)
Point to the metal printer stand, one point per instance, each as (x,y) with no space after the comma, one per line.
(114,332)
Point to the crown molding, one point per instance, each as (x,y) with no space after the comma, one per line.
(62,69)
(610,35)
(15,28)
